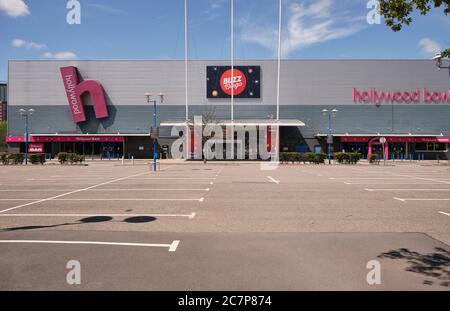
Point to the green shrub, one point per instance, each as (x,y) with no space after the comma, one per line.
(374,159)
(72,158)
(4,158)
(16,158)
(319,158)
(284,157)
(63,157)
(342,157)
(354,157)
(316,158)
(347,157)
(76,158)
(310,156)
(37,158)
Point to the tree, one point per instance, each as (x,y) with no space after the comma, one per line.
(397,13)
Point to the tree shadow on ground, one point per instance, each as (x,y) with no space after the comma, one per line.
(87,220)
(435,266)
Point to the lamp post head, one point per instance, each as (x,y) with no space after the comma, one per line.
(161,97)
(324,112)
(149,97)
(31,111)
(22,112)
(438,59)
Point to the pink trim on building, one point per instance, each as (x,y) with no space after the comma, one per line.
(397,139)
(71,139)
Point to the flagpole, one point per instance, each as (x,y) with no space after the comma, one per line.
(187,131)
(232,60)
(186,56)
(279,58)
(231,131)
(277,143)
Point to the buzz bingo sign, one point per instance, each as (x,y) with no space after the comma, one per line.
(239,82)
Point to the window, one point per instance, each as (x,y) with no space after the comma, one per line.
(431,147)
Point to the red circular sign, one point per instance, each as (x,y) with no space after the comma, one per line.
(226,83)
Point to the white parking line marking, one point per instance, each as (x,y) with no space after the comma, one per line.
(172,178)
(387,183)
(412,189)
(420,199)
(273,180)
(172,247)
(96,199)
(421,178)
(190,216)
(362,178)
(444,213)
(398,199)
(201,199)
(102,190)
(71,192)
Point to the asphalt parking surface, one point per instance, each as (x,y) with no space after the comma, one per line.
(225,226)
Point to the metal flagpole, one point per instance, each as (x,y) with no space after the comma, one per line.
(277,143)
(187,132)
(232,80)
(279,59)
(232,60)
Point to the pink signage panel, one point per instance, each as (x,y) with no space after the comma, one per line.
(72,139)
(398,139)
(75,90)
(36,148)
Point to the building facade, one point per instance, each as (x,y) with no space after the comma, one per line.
(99,107)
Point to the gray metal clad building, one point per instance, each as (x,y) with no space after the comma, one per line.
(415,127)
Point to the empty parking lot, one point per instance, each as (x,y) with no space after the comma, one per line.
(225,226)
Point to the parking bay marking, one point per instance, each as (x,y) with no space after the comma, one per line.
(172,246)
(70,192)
(419,199)
(273,180)
(447,214)
(389,183)
(411,189)
(191,216)
(107,199)
(102,190)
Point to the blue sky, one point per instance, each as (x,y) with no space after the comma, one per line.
(153,29)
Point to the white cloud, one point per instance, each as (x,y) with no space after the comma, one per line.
(429,46)
(14,8)
(318,22)
(18,43)
(60,55)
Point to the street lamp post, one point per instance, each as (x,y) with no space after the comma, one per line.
(330,114)
(438,59)
(150,100)
(26,113)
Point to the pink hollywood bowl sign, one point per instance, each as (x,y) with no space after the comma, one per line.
(410,97)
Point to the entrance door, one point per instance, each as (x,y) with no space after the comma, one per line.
(359,148)
(109,151)
(378,150)
(397,151)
